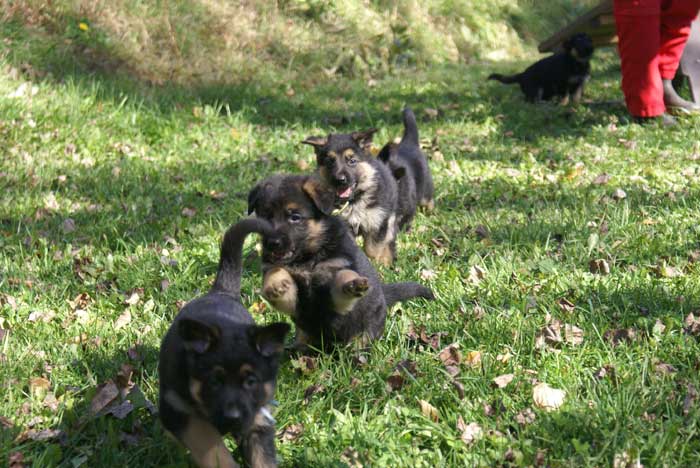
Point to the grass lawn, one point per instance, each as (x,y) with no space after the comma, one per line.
(115,196)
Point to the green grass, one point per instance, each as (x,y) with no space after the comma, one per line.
(123,160)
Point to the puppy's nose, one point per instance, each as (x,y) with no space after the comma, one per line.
(275,243)
(233,413)
(341,179)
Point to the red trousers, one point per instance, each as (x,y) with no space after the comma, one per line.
(652,35)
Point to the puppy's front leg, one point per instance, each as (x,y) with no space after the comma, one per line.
(259,444)
(348,287)
(578,93)
(206,445)
(280,289)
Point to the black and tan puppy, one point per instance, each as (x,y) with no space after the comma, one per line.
(218,368)
(410,168)
(365,190)
(560,75)
(313,269)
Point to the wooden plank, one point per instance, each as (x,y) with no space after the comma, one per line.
(589,21)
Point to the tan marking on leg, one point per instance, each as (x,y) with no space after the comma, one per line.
(428,205)
(565,100)
(280,290)
(206,445)
(196,390)
(379,251)
(343,300)
(362,341)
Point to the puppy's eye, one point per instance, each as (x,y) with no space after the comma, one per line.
(250,382)
(295,218)
(352,162)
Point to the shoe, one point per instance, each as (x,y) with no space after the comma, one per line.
(666,120)
(676,103)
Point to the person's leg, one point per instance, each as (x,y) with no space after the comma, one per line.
(638,31)
(676,16)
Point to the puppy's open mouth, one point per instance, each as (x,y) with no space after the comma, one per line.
(279,257)
(344,193)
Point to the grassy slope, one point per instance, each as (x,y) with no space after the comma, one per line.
(133,159)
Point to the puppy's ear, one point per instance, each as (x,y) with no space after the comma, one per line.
(315,141)
(399,172)
(386,152)
(364,139)
(269,340)
(253,197)
(197,336)
(568,44)
(322,196)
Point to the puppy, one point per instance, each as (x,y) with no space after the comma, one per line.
(410,168)
(313,269)
(560,75)
(218,369)
(365,190)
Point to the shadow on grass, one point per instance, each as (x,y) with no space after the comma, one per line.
(94,66)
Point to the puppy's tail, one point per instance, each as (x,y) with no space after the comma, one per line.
(228,276)
(410,127)
(398,292)
(507,79)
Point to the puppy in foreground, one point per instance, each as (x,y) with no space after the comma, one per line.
(313,269)
(562,75)
(218,368)
(365,189)
(410,168)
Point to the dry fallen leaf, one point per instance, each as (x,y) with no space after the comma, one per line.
(469,433)
(188,212)
(617,336)
(602,179)
(473,358)
(619,194)
(291,432)
(689,400)
(304,364)
(123,320)
(525,417)
(476,274)
(600,267)
(312,390)
(450,355)
(431,113)
(692,324)
(106,393)
(39,386)
(503,380)
(68,225)
(429,411)
(133,298)
(662,368)
(394,382)
(428,275)
(666,271)
(566,305)
(303,165)
(482,232)
(547,398)
(459,388)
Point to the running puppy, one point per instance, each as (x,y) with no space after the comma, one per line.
(313,269)
(410,168)
(560,75)
(218,369)
(365,189)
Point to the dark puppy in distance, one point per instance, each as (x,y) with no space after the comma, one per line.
(410,168)
(218,368)
(313,269)
(365,189)
(562,75)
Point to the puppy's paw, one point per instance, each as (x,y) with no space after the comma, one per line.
(278,289)
(357,287)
